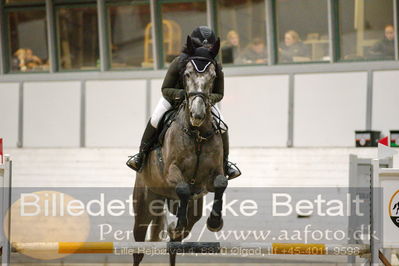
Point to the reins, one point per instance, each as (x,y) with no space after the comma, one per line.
(199,139)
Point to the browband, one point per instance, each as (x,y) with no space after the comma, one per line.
(201,63)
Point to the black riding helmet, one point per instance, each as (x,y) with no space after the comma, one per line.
(202,46)
(203,35)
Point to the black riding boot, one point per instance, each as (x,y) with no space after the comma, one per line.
(230,169)
(136,162)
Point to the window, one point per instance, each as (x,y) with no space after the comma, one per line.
(242,29)
(366,30)
(27,40)
(179,20)
(23,2)
(130,30)
(302,30)
(363,30)
(78,38)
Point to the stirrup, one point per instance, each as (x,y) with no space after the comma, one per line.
(131,159)
(234,167)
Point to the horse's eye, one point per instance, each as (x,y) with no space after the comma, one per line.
(187,75)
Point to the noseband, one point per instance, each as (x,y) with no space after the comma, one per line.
(196,94)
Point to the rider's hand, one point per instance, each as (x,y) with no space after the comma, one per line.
(181,95)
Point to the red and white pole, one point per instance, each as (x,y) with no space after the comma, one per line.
(1,151)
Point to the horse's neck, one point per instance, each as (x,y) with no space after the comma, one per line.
(184,120)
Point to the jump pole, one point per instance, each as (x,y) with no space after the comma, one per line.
(225,248)
(5,186)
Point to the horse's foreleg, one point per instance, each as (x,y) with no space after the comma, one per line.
(215,220)
(177,230)
(183,192)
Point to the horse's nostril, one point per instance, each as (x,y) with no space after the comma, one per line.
(198,116)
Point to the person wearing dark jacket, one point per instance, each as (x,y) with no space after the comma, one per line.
(385,48)
(255,53)
(292,47)
(231,48)
(173,94)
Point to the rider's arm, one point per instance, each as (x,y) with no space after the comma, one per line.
(218,88)
(169,84)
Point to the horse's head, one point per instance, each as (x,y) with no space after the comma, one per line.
(198,78)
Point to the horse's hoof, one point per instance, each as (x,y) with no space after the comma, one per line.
(181,224)
(173,231)
(214,225)
(171,228)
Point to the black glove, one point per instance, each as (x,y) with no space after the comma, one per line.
(180,96)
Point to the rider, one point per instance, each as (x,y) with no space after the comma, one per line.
(173,94)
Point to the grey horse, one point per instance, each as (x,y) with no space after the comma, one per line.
(189,165)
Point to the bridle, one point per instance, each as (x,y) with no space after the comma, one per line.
(198,94)
(192,132)
(191,96)
(202,95)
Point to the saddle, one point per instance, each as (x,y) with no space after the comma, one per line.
(167,119)
(164,125)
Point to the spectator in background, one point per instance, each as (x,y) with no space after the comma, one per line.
(231,47)
(32,61)
(385,48)
(19,60)
(292,47)
(255,53)
(25,60)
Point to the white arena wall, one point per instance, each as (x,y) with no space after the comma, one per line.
(261,167)
(326,110)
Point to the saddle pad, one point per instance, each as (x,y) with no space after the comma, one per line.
(164,124)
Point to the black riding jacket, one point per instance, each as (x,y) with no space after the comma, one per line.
(172,85)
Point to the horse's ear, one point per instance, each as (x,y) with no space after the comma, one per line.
(215,48)
(190,45)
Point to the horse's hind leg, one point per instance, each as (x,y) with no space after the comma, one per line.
(157,228)
(172,258)
(194,214)
(141,219)
(142,198)
(215,220)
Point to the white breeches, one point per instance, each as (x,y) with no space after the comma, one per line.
(163,106)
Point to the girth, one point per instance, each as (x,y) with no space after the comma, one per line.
(199,140)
